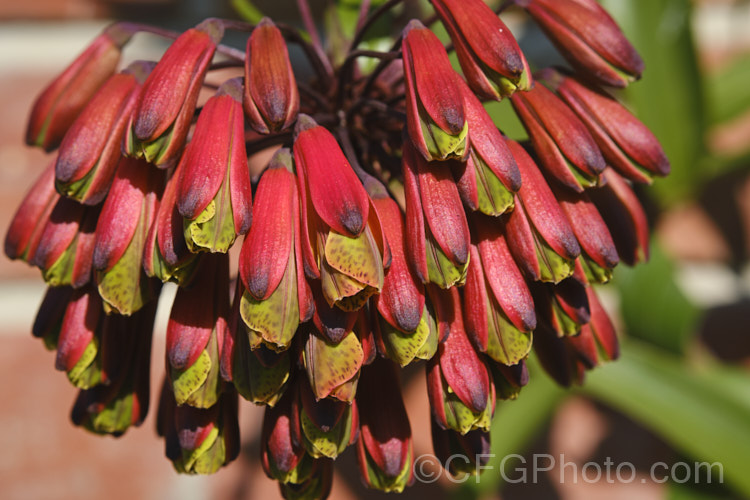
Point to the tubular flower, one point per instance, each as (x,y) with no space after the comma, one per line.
(214,193)
(461,454)
(564,306)
(384,449)
(197,440)
(324,427)
(566,359)
(458,383)
(121,233)
(25,229)
(259,374)
(282,457)
(624,216)
(276,297)
(342,243)
(61,102)
(91,149)
(316,486)
(122,399)
(598,252)
(588,38)
(49,317)
(333,368)
(195,335)
(80,339)
(498,308)
(627,145)
(405,327)
(435,115)
(509,380)
(398,223)
(66,244)
(166,254)
(161,119)
(271,98)
(488,53)
(538,234)
(563,145)
(490,176)
(437,233)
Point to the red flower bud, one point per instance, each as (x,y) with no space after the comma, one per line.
(434,108)
(25,229)
(402,300)
(598,252)
(538,234)
(563,306)
(162,116)
(195,334)
(79,338)
(271,97)
(91,149)
(625,218)
(460,454)
(166,254)
(437,234)
(384,449)
(488,53)
(199,441)
(282,458)
(278,297)
(342,241)
(561,142)
(61,102)
(214,194)
(627,144)
(490,175)
(122,400)
(458,383)
(121,232)
(325,427)
(588,38)
(498,308)
(66,244)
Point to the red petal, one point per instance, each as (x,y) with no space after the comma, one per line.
(171,82)
(475,303)
(504,277)
(443,210)
(78,327)
(401,301)
(542,207)
(460,364)
(133,190)
(335,191)
(25,228)
(271,96)
(268,246)
(434,84)
(204,164)
(415,225)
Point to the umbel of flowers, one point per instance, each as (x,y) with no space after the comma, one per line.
(394,224)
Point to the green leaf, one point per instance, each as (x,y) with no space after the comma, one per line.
(653,307)
(728,94)
(683,406)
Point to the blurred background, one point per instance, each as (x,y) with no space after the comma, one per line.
(679,393)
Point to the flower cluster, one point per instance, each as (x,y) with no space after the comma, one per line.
(394,223)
